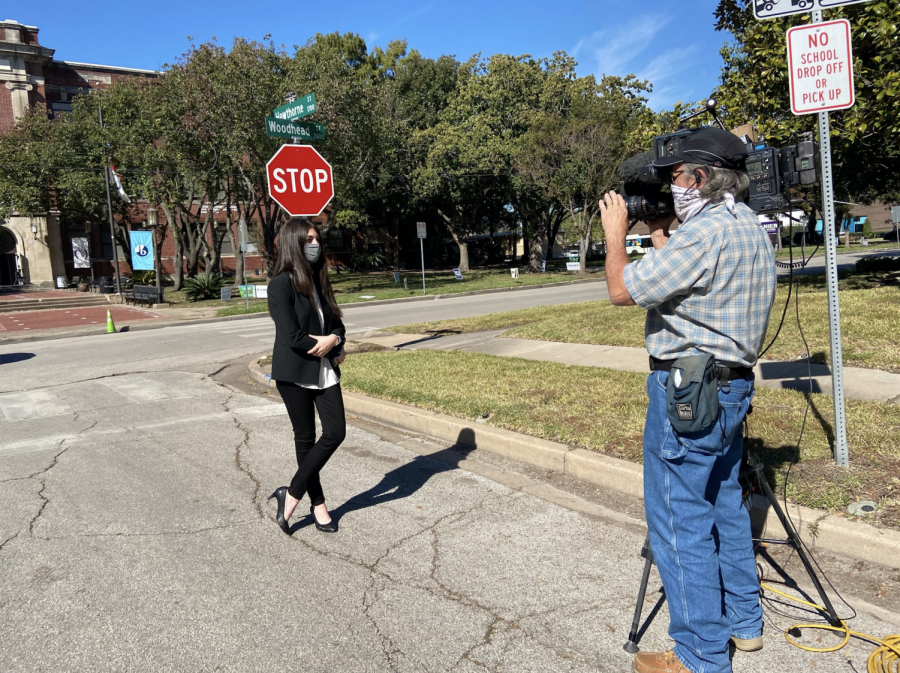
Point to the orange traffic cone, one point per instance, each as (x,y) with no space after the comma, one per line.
(110,326)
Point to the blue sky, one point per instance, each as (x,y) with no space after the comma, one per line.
(671,43)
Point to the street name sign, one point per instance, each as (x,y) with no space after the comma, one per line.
(820,66)
(772,9)
(296,109)
(279,128)
(300,180)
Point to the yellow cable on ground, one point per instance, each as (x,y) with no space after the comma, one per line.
(884,659)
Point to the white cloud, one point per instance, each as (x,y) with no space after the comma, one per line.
(618,51)
(370,39)
(418,12)
(663,72)
(613,48)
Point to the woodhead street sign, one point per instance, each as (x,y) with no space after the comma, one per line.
(279,128)
(820,65)
(772,9)
(300,180)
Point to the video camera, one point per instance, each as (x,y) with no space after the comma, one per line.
(772,171)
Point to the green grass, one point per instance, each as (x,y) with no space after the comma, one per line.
(874,246)
(352,287)
(870,322)
(603,410)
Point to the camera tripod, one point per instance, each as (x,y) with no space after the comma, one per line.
(753,481)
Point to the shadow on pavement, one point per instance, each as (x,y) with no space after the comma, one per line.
(403,481)
(9,358)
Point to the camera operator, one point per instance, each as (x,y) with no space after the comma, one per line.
(708,290)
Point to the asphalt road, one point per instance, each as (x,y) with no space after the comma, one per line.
(135,534)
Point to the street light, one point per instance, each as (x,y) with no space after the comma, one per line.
(153,223)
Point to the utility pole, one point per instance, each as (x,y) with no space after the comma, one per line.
(112,224)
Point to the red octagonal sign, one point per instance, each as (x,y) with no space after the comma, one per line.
(300,180)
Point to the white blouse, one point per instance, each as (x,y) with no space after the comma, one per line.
(327,375)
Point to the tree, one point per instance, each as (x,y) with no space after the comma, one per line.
(576,158)
(865,139)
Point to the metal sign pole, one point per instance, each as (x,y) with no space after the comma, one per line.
(841,450)
(422,253)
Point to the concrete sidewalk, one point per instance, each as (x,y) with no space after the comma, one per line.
(860,384)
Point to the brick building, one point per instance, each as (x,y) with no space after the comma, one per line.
(34,249)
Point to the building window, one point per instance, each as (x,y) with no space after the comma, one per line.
(222,232)
(336,240)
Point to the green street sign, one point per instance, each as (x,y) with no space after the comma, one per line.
(279,128)
(301,107)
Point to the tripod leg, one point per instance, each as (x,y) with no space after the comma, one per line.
(631,646)
(797,544)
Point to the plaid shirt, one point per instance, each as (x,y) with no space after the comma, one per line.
(710,289)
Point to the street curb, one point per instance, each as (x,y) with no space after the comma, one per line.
(258,375)
(50,336)
(37,336)
(818,529)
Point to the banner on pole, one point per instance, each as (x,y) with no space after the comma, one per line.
(81,253)
(142,250)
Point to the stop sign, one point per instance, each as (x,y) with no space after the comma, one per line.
(300,180)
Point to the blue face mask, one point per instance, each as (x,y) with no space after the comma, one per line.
(312,252)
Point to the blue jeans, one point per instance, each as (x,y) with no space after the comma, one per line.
(699,528)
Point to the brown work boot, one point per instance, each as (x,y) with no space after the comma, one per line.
(747,644)
(658,662)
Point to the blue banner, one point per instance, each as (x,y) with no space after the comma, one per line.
(142,250)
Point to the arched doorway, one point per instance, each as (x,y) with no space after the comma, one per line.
(8,266)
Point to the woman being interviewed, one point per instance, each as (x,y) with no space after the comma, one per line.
(309,336)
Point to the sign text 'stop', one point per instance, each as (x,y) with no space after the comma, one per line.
(820,67)
(772,9)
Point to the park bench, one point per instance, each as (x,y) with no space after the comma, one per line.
(144,294)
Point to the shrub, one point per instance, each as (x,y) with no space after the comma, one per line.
(203,286)
(367,261)
(876,264)
(143,277)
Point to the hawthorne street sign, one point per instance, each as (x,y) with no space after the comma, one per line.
(820,65)
(297,109)
(772,9)
(279,128)
(300,180)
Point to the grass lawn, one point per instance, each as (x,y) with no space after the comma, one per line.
(870,322)
(874,246)
(603,410)
(362,287)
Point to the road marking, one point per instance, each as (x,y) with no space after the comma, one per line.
(141,389)
(33,404)
(144,429)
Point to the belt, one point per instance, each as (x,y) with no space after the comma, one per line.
(725,373)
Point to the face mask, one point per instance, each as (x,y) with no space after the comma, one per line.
(687,202)
(312,252)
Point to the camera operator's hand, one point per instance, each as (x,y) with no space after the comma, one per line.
(659,230)
(614,216)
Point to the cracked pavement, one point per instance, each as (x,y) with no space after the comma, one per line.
(135,535)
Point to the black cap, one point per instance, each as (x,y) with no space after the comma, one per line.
(709,146)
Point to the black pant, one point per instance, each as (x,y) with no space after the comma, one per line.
(312,455)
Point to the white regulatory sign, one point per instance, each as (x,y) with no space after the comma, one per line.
(772,9)
(420,228)
(820,64)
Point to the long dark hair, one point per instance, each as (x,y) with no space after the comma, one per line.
(292,259)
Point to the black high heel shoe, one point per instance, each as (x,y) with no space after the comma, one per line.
(330,527)
(280,495)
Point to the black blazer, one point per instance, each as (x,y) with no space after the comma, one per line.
(295,319)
